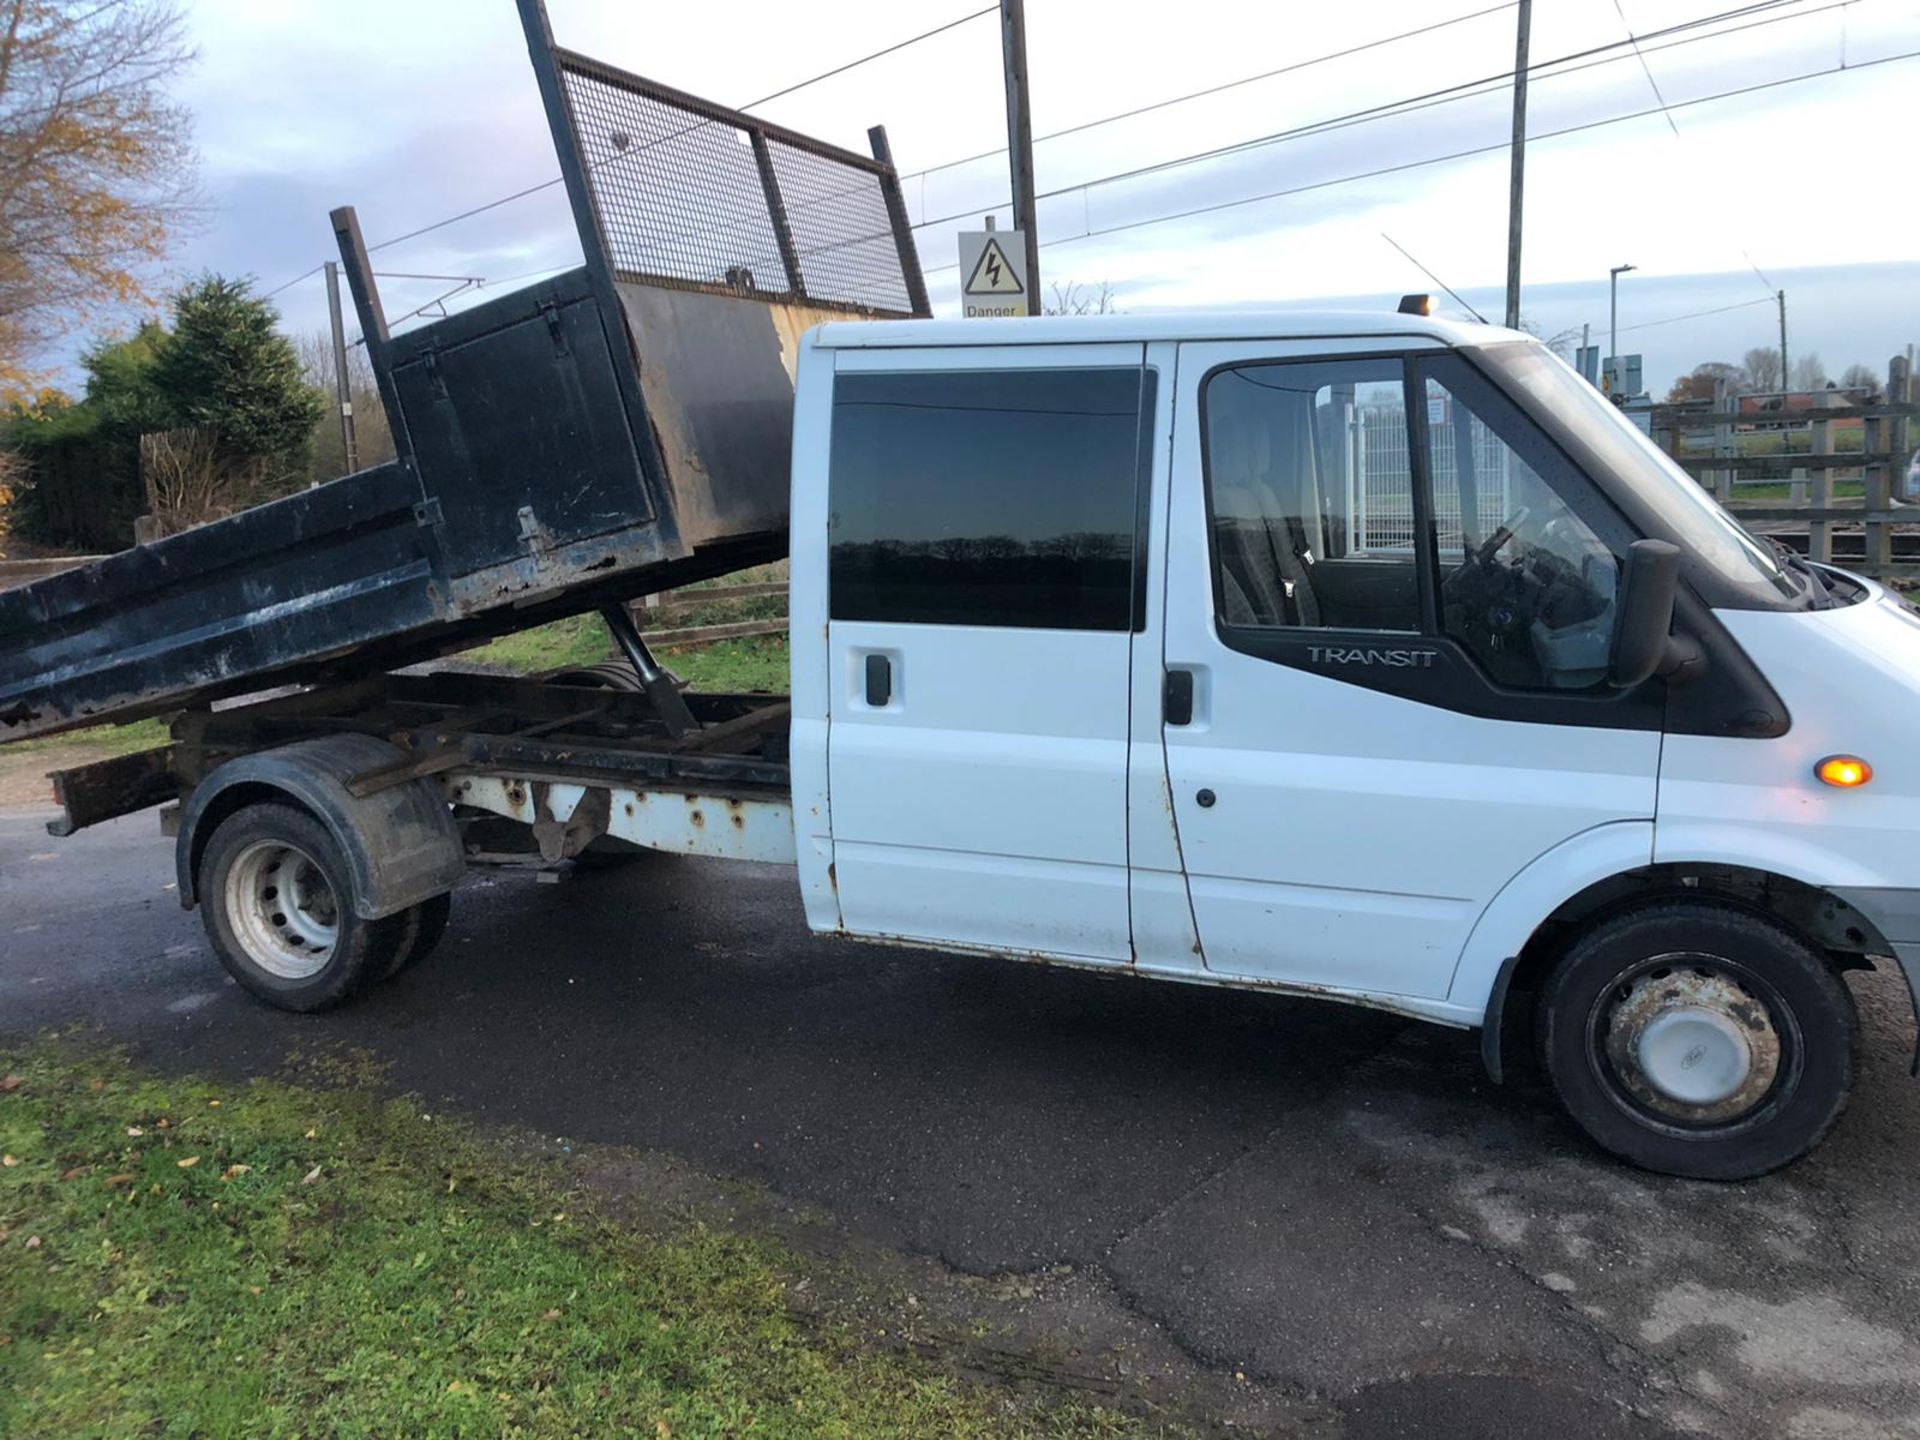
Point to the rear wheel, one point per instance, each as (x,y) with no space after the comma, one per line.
(425,924)
(1699,1039)
(277,901)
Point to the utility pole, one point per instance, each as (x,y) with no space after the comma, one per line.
(1785,384)
(1013,49)
(343,391)
(1518,151)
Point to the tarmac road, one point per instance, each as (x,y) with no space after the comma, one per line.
(1332,1203)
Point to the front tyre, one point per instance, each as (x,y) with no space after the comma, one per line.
(1698,1039)
(277,901)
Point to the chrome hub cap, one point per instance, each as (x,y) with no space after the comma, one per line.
(282,909)
(1690,1043)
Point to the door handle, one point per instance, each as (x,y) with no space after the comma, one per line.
(879,681)
(1177,703)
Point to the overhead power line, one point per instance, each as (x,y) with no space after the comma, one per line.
(1697,314)
(1467,153)
(306,275)
(852,64)
(1218,89)
(1654,85)
(1450,94)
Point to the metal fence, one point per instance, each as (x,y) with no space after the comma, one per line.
(1380,483)
(692,195)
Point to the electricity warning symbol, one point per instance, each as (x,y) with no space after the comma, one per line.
(992,275)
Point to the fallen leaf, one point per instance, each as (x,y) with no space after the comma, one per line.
(313,1134)
(163,1123)
(33,1242)
(453,1387)
(76,1172)
(10,1084)
(253,1289)
(96,1085)
(213,1104)
(5,1340)
(235,1171)
(9,1160)
(312,1176)
(551,1315)
(114,1182)
(188,1163)
(663,1429)
(135,1132)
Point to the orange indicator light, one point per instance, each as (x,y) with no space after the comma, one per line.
(1844,772)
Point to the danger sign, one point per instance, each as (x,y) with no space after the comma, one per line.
(994,264)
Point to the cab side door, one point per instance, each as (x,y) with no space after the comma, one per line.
(985,582)
(1389,597)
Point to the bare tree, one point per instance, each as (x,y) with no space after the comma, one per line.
(1860,377)
(1761,366)
(1808,372)
(1076,299)
(1563,343)
(372,436)
(190,478)
(96,164)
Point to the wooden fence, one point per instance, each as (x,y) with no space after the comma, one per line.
(650,612)
(1843,493)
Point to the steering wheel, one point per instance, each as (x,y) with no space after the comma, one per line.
(1500,538)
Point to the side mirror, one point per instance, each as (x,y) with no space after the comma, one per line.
(1640,627)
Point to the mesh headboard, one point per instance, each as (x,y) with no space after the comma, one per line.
(691,195)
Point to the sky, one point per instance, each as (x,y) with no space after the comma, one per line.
(413,110)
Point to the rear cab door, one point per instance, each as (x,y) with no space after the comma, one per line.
(976,514)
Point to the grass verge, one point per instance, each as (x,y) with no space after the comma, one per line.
(179,1258)
(105,740)
(757,662)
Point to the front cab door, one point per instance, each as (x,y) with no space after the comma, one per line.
(1393,596)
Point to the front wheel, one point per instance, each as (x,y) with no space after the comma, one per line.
(1699,1039)
(277,901)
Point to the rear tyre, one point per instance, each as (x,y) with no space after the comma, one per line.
(426,923)
(276,897)
(1698,1039)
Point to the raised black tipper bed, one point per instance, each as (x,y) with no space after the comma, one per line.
(616,430)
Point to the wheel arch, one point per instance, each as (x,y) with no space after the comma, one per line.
(1528,925)
(400,842)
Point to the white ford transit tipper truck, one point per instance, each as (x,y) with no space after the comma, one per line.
(1358,656)
(1366,657)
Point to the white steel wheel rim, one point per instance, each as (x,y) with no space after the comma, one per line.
(1691,1043)
(283,909)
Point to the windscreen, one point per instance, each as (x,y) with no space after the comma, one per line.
(1692,517)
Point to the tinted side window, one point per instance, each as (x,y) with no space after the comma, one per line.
(987,497)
